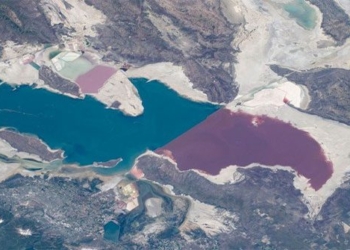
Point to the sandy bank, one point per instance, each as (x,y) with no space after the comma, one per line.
(172,76)
(119,93)
(270,36)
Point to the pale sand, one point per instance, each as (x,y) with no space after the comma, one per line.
(78,17)
(119,88)
(270,36)
(207,217)
(9,151)
(12,67)
(228,175)
(172,76)
(279,94)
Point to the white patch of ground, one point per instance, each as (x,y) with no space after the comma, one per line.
(228,175)
(270,36)
(12,68)
(24,232)
(7,150)
(207,217)
(332,136)
(346,227)
(119,88)
(9,169)
(280,94)
(79,16)
(110,183)
(172,76)
(154,207)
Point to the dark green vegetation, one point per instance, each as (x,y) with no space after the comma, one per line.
(192,34)
(329,90)
(335,21)
(89,132)
(54,54)
(266,203)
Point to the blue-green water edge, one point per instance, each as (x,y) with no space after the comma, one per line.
(88,132)
(304,14)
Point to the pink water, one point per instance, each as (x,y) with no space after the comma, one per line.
(93,80)
(227,138)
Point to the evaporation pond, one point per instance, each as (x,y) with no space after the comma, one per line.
(226,138)
(304,14)
(88,132)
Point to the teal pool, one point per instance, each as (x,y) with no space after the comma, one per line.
(302,12)
(88,132)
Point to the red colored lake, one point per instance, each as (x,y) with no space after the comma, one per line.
(93,80)
(226,138)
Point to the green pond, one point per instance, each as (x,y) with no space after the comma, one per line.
(88,132)
(302,12)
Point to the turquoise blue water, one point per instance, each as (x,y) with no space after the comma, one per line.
(304,14)
(89,132)
(111,231)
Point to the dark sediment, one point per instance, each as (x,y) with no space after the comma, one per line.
(53,80)
(31,145)
(195,35)
(329,90)
(335,22)
(227,138)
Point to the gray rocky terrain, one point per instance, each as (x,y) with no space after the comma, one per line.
(335,22)
(24,21)
(58,212)
(192,34)
(266,203)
